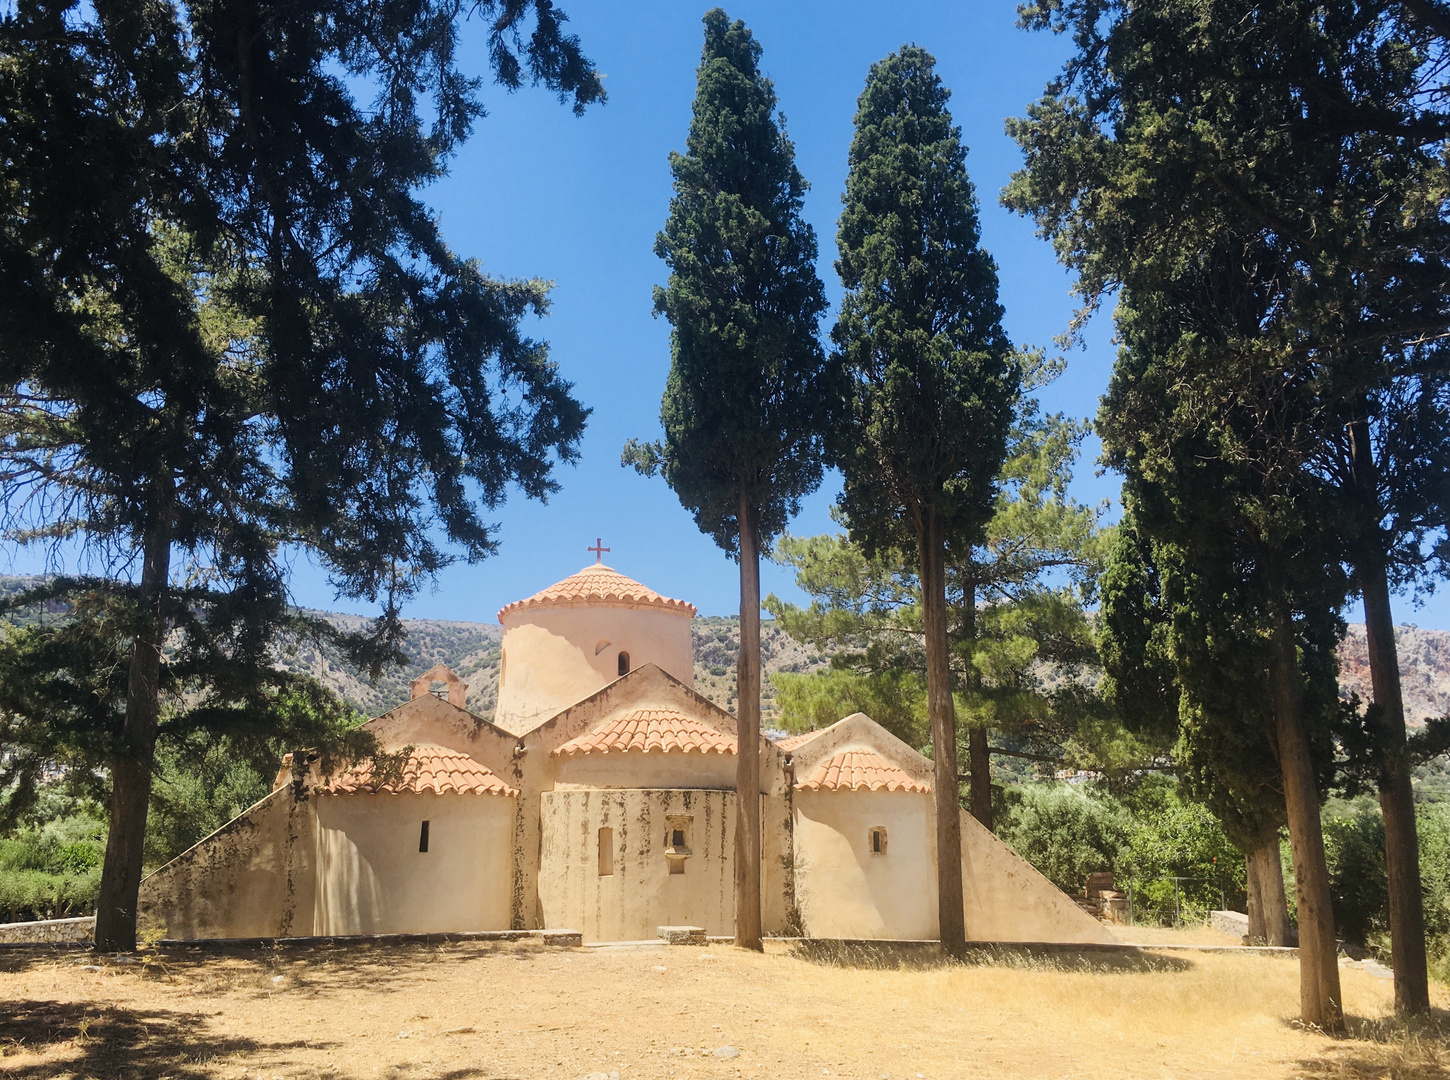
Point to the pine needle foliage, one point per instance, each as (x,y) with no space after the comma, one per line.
(230,330)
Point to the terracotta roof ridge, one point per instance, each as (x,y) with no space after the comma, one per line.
(650,729)
(430,768)
(791,742)
(854,767)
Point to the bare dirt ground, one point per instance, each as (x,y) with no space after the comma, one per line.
(400,1012)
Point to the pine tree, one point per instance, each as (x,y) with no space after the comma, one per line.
(749,387)
(1015,608)
(229,329)
(932,377)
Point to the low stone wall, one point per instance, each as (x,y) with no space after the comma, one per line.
(1230,922)
(47,931)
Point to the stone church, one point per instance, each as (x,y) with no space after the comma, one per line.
(600,797)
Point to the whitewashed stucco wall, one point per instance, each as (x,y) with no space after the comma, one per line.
(641,894)
(372,879)
(843,889)
(555,656)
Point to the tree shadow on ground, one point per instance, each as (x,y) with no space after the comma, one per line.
(1386,1048)
(95,1039)
(310,967)
(1038,957)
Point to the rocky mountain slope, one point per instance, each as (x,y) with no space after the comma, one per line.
(1424,670)
(473,650)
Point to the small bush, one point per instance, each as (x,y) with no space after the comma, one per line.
(1354,850)
(1433,822)
(1183,840)
(1065,832)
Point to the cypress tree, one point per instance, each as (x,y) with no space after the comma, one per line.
(932,378)
(1305,142)
(1319,127)
(749,387)
(1183,667)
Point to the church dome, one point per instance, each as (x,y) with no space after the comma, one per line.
(598,585)
(579,635)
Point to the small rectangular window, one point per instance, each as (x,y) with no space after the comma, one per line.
(606,852)
(878,840)
(423,838)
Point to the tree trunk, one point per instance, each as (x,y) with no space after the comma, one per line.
(131,765)
(979,757)
(1276,903)
(950,913)
(1268,906)
(1254,889)
(1397,802)
(747,722)
(1320,1002)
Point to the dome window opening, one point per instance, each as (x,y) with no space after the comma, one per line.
(878,840)
(423,839)
(623,664)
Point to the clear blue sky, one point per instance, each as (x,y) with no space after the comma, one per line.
(538,192)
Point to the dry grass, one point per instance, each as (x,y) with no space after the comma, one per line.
(1188,935)
(476,1010)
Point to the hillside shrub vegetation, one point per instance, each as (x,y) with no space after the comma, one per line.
(1354,843)
(1147,836)
(52,870)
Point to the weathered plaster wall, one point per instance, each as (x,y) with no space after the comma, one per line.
(842,888)
(1008,900)
(554,656)
(641,894)
(636,769)
(535,772)
(428,719)
(372,879)
(254,877)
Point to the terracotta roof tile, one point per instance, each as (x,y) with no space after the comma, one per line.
(790,742)
(859,767)
(429,769)
(651,729)
(598,584)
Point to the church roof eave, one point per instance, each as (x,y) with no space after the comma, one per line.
(599,586)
